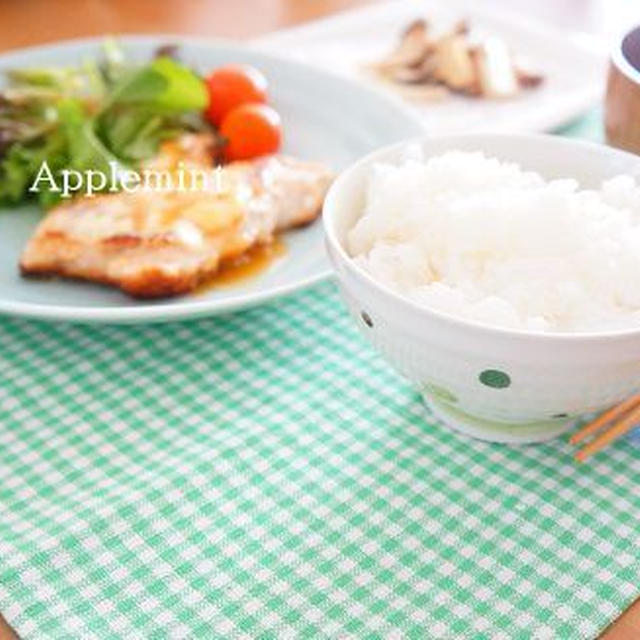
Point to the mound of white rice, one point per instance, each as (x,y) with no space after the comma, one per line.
(475,237)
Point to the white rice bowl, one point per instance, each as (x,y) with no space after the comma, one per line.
(481,239)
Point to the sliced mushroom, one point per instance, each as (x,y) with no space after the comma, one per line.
(455,60)
(528,77)
(413,46)
(461,28)
(415,74)
(454,65)
(494,66)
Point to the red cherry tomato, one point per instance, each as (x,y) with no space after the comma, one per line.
(251,130)
(233,85)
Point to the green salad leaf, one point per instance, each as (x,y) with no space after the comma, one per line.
(22,163)
(82,118)
(164,86)
(85,149)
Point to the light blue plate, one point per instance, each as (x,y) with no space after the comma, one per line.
(326,118)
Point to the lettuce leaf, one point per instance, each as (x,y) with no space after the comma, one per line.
(164,86)
(22,163)
(86,117)
(85,149)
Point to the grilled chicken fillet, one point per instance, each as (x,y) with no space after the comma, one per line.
(163,243)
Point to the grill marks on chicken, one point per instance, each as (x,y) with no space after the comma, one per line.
(162,243)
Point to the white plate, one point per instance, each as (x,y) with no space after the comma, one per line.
(574,66)
(326,118)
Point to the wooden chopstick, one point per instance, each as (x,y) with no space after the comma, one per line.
(619,428)
(6,632)
(606,417)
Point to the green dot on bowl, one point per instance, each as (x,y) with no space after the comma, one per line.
(495,379)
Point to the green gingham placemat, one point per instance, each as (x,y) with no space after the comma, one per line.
(266,475)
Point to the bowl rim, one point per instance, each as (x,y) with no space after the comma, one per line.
(620,61)
(337,253)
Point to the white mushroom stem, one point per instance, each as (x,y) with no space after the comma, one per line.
(496,73)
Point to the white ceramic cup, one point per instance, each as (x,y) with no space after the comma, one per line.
(497,384)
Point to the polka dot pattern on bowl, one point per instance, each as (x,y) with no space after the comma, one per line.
(495,378)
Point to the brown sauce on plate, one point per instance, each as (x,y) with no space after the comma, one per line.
(249,264)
